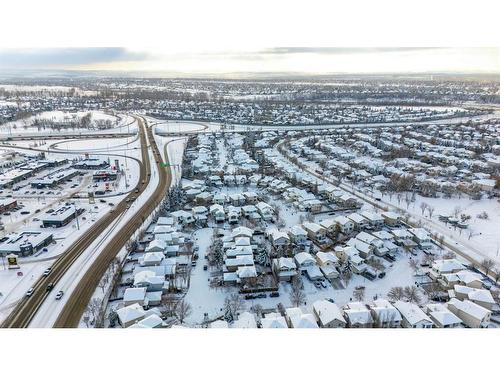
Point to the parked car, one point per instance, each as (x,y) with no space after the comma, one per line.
(274,294)
(369,276)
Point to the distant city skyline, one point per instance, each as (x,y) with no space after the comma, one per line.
(292,60)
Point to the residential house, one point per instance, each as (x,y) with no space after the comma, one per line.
(413,316)
(391,218)
(442,317)
(384,314)
(442,266)
(297,319)
(482,297)
(134,295)
(421,237)
(284,268)
(265,210)
(360,222)
(471,314)
(130,315)
(273,320)
(375,220)
(245,320)
(315,232)
(280,240)
(358,315)
(328,315)
(298,236)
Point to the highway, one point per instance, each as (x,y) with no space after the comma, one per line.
(78,300)
(25,311)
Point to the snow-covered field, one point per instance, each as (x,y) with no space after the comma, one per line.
(28,126)
(482,234)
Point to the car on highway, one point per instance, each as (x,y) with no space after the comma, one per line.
(47,272)
(59,295)
(25,212)
(30,292)
(50,287)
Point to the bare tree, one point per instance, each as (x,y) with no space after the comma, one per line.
(434,289)
(258,310)
(234,303)
(396,293)
(487,265)
(496,273)
(412,294)
(414,265)
(297,296)
(359,294)
(456,211)
(86,319)
(183,310)
(103,283)
(430,210)
(423,207)
(94,309)
(346,275)
(449,255)
(169,301)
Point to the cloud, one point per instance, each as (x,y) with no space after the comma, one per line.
(66,57)
(341,50)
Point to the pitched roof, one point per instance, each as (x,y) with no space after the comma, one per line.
(327,312)
(411,312)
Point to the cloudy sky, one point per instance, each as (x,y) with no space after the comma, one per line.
(308,60)
(224,36)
